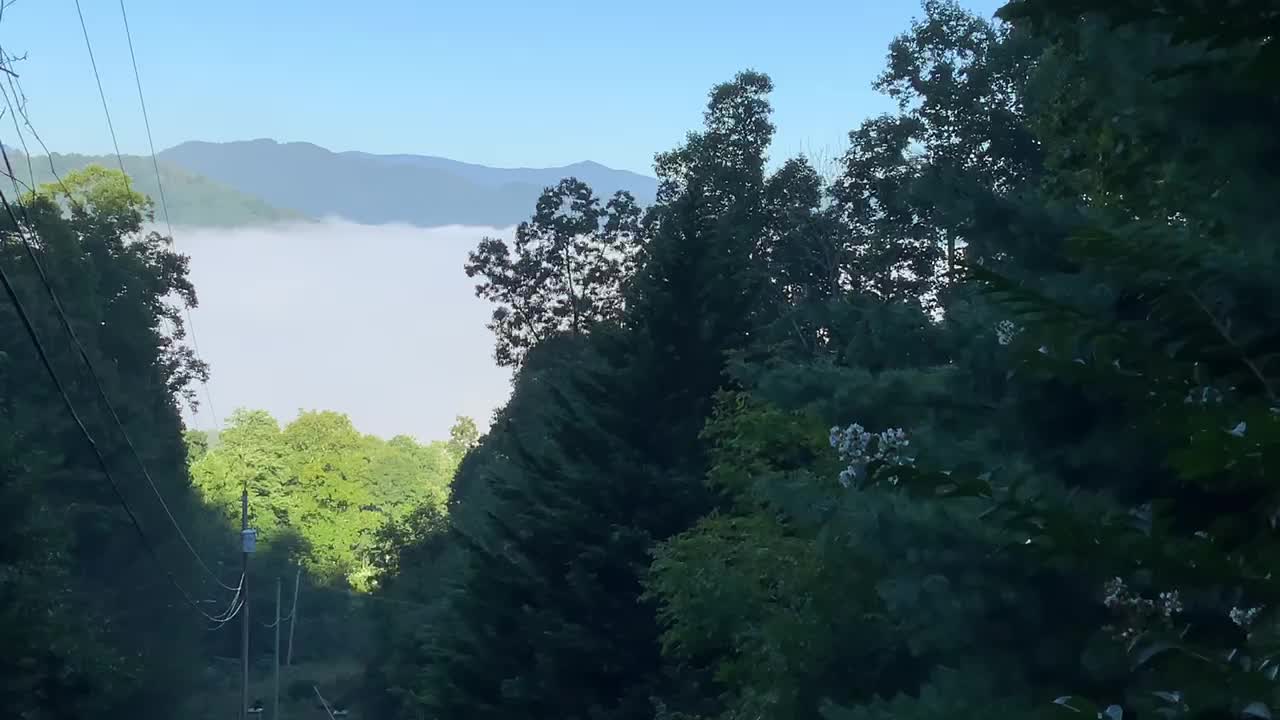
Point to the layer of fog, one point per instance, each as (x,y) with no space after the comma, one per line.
(378,322)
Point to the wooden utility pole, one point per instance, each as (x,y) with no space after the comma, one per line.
(245,549)
(275,706)
(293,616)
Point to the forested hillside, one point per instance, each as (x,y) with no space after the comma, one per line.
(193,199)
(984,427)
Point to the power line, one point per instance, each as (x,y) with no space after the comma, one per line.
(218,623)
(12,176)
(75,416)
(16,105)
(237,602)
(273,623)
(101,93)
(75,340)
(22,139)
(19,103)
(17,129)
(102,393)
(164,204)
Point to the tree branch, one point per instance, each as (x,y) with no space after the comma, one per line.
(1226,335)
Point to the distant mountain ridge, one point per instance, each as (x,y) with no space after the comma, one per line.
(592,173)
(362,187)
(255,182)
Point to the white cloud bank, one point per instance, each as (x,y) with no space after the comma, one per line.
(379,322)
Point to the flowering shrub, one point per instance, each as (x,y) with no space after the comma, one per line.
(1139,613)
(862,449)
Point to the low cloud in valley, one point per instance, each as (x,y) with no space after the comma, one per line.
(379,322)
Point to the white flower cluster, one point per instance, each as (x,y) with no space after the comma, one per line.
(860,447)
(1006,331)
(1170,603)
(1203,395)
(1244,617)
(1139,611)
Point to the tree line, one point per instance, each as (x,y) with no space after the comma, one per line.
(322,485)
(985,425)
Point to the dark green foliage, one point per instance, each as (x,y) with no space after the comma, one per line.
(1120,429)
(545,599)
(91,625)
(1243,31)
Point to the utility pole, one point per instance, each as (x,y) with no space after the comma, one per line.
(275,706)
(246,547)
(293,616)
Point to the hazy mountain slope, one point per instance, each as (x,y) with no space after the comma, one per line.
(376,189)
(594,174)
(193,200)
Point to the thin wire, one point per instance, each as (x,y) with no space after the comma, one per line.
(273,623)
(17,129)
(102,393)
(164,204)
(66,400)
(20,106)
(16,182)
(101,93)
(22,139)
(19,100)
(224,620)
(234,606)
(18,185)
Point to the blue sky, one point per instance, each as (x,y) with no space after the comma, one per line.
(511,82)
